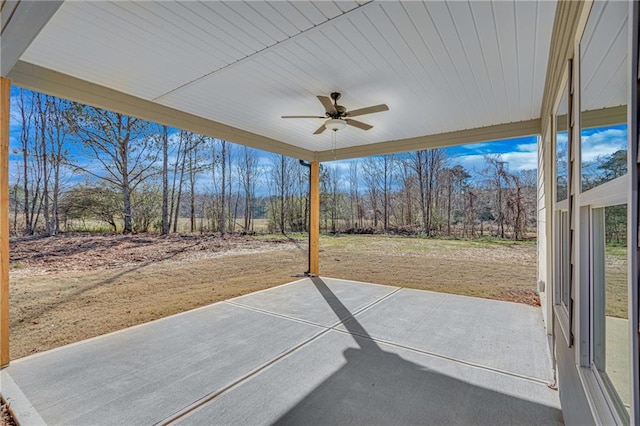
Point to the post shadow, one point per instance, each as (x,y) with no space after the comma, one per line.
(376,387)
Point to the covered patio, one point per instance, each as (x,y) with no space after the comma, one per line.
(320,350)
(431,74)
(314,351)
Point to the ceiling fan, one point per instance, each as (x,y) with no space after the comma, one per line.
(338,117)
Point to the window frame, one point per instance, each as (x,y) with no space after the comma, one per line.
(622,190)
(562,236)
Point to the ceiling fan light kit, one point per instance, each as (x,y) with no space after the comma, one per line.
(335,124)
(338,117)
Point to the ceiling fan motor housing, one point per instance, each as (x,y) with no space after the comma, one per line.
(337,117)
(341,110)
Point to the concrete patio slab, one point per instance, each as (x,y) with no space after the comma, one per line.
(338,379)
(501,335)
(305,302)
(144,374)
(618,357)
(261,359)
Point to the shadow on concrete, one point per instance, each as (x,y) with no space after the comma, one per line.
(376,387)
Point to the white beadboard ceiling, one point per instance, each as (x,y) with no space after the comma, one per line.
(603,50)
(439,66)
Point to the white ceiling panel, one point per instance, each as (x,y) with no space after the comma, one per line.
(439,66)
(604,56)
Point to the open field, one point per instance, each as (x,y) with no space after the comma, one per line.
(73,287)
(615,275)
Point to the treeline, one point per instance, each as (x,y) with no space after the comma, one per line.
(75,162)
(74,165)
(425,192)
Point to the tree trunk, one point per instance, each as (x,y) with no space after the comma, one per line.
(126,193)
(450,191)
(56,191)
(165,181)
(192,190)
(179,196)
(126,189)
(42,112)
(282,192)
(24,136)
(182,151)
(223,175)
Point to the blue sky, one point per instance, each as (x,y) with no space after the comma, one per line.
(521,154)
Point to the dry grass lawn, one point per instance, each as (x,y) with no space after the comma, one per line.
(74,287)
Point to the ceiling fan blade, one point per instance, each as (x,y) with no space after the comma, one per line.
(359,124)
(320,130)
(302,116)
(368,110)
(328,104)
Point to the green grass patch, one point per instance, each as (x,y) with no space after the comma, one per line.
(616,250)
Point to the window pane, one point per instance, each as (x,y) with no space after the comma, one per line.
(604,155)
(611,315)
(562,149)
(565,259)
(603,94)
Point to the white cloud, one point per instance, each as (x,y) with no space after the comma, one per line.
(562,138)
(524,157)
(603,143)
(478,146)
(342,166)
(472,162)
(527,160)
(528,147)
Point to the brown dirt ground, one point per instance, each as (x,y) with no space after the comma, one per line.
(73,287)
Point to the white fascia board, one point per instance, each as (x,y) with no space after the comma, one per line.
(20,26)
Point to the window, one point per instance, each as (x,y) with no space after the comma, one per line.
(562,211)
(604,88)
(603,95)
(611,346)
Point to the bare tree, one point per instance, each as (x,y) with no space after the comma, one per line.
(247,170)
(405,199)
(223,185)
(60,112)
(497,177)
(122,146)
(371,178)
(187,161)
(356,210)
(177,194)
(27,111)
(41,122)
(279,191)
(454,178)
(332,196)
(196,165)
(427,165)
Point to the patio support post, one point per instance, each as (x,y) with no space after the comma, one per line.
(314,220)
(5,89)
